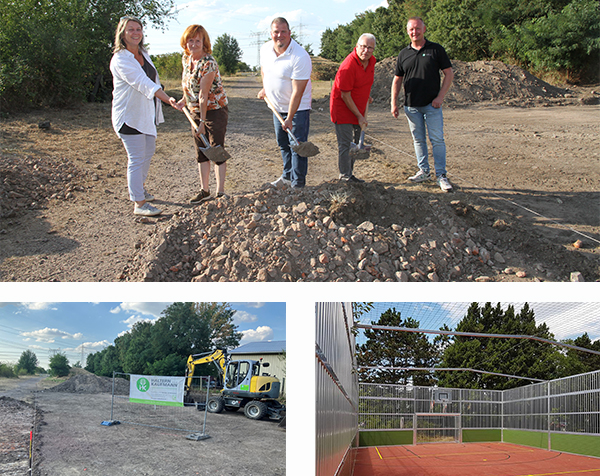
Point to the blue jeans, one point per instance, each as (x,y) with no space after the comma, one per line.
(418,118)
(295,167)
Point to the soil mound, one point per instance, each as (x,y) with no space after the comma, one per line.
(341,232)
(90,383)
(478,81)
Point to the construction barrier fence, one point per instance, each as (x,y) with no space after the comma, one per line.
(190,416)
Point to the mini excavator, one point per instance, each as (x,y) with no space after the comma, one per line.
(244,386)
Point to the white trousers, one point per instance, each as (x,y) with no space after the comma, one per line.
(140,149)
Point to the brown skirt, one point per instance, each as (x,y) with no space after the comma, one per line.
(215,127)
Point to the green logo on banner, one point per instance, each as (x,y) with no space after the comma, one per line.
(143,385)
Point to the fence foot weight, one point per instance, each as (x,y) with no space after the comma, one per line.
(197,436)
(110,422)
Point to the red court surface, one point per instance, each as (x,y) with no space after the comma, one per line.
(471,459)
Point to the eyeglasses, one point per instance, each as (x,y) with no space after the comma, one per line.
(365,47)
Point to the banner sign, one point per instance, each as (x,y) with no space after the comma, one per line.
(156,390)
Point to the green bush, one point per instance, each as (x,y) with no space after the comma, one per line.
(168,65)
(57,52)
(7,371)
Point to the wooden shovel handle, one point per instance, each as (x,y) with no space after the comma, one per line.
(270,104)
(365,115)
(190,118)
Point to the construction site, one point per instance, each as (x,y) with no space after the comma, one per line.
(70,434)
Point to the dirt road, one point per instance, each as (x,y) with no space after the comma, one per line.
(68,438)
(21,388)
(539,164)
(74,442)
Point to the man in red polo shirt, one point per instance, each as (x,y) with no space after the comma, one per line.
(350,95)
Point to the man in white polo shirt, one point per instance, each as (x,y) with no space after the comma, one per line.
(285,69)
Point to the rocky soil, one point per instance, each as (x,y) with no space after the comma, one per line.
(320,235)
(526,205)
(17,420)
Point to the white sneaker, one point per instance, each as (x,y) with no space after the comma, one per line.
(146,210)
(420,176)
(444,183)
(282,182)
(148,196)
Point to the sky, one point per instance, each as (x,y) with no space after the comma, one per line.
(566,320)
(44,327)
(249,22)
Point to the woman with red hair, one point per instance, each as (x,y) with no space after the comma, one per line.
(205,97)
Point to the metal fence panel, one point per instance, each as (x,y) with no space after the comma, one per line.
(336,387)
(570,404)
(178,418)
(387,406)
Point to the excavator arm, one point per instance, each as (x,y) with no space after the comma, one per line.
(218,357)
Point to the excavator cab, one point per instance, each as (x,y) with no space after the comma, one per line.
(244,379)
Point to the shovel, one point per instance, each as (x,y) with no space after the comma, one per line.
(216,154)
(360,151)
(303,149)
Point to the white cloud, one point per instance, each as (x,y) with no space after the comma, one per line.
(256,305)
(131,321)
(261,333)
(147,308)
(32,306)
(90,346)
(243,316)
(50,335)
(38,306)
(37,347)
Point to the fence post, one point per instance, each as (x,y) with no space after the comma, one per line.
(549,417)
(112,400)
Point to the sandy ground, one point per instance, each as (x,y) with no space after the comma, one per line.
(540,164)
(70,440)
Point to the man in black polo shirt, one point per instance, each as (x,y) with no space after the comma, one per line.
(418,69)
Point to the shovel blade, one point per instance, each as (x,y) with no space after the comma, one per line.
(306,149)
(216,154)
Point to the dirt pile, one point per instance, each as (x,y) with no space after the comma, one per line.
(478,81)
(90,383)
(29,183)
(336,232)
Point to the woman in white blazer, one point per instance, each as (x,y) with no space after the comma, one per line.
(136,109)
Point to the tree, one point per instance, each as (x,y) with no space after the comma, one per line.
(396,349)
(59,365)
(228,53)
(47,60)
(519,357)
(562,40)
(219,317)
(28,362)
(585,362)
(162,347)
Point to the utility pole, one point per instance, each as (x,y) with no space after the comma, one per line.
(258,43)
(300,35)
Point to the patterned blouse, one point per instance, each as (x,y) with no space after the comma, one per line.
(191,82)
